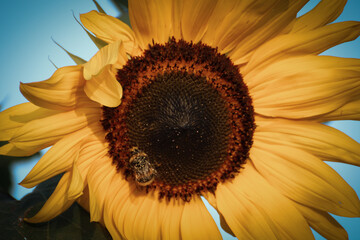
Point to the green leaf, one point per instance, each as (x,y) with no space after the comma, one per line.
(124,17)
(122,6)
(72,224)
(122,3)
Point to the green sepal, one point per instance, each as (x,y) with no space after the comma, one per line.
(76,59)
(97,41)
(99,8)
(52,62)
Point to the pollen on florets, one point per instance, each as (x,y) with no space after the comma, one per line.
(184,105)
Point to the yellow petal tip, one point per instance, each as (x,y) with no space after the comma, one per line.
(26,183)
(31,220)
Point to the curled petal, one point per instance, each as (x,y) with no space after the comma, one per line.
(100,72)
(104,88)
(110,29)
(112,54)
(60,92)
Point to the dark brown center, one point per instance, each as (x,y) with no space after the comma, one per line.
(182,124)
(185,122)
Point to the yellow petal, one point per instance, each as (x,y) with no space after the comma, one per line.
(93,148)
(92,151)
(325,12)
(255,210)
(112,54)
(58,159)
(300,87)
(349,111)
(41,133)
(139,214)
(222,20)
(57,203)
(133,214)
(323,223)
(176,19)
(125,215)
(151,21)
(104,88)
(109,216)
(327,143)
(109,29)
(76,183)
(97,41)
(309,42)
(171,220)
(10,149)
(261,24)
(196,221)
(99,176)
(305,179)
(142,216)
(15,117)
(147,221)
(58,92)
(101,71)
(194,17)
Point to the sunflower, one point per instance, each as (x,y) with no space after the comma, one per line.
(217,99)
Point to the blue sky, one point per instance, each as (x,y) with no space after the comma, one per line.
(28,26)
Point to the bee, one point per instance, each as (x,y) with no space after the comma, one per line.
(143,170)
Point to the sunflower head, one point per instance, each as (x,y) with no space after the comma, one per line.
(216,99)
(187,109)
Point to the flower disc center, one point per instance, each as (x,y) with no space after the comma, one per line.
(182,124)
(185,122)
